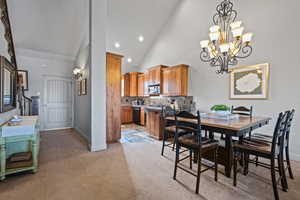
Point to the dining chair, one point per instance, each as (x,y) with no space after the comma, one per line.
(195,142)
(241,110)
(268,138)
(169,128)
(264,150)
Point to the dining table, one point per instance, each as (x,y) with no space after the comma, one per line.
(237,128)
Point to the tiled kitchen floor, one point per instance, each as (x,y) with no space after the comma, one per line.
(132,133)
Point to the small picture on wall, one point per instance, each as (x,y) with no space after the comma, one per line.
(249,82)
(78,88)
(84,87)
(23,79)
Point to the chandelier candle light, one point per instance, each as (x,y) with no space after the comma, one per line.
(227,42)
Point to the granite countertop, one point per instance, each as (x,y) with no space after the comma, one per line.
(138,106)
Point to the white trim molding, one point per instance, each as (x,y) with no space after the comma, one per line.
(43,55)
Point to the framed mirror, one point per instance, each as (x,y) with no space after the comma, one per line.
(8,85)
(8,63)
(7,44)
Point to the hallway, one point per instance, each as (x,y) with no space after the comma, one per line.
(125,171)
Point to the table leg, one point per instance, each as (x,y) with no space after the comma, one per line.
(34,156)
(229,154)
(211,135)
(2,162)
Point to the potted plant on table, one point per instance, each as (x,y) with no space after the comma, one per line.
(221,110)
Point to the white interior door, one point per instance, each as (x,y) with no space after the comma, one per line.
(58,103)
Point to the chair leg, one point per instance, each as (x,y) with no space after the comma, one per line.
(246,163)
(288,162)
(274,182)
(191,159)
(198,172)
(256,161)
(281,173)
(235,160)
(163,144)
(284,183)
(216,164)
(176,161)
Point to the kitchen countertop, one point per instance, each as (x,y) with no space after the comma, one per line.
(134,106)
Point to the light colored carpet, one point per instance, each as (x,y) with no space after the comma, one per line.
(128,171)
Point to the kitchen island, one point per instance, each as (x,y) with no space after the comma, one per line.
(154,122)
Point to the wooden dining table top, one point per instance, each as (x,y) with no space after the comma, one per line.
(243,122)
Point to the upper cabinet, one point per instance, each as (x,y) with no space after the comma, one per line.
(155,75)
(146,83)
(133,84)
(141,80)
(175,81)
(125,85)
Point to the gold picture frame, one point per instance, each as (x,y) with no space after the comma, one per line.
(83,87)
(249,82)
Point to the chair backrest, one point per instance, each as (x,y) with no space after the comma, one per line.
(241,110)
(167,111)
(279,133)
(188,122)
(289,124)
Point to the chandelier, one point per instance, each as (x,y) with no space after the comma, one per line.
(227,42)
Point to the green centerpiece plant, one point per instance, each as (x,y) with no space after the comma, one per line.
(221,110)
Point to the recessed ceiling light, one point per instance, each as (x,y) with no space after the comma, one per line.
(141,38)
(117,45)
(129,60)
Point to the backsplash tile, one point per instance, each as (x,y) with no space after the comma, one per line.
(184,103)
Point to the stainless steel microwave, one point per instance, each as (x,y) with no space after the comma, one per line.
(154,90)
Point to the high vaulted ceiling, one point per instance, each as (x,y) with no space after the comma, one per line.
(60,26)
(54,26)
(127,19)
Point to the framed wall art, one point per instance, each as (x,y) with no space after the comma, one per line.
(83,86)
(23,79)
(250,82)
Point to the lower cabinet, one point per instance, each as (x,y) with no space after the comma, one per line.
(143,119)
(154,125)
(126,114)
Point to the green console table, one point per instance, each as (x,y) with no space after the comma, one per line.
(24,137)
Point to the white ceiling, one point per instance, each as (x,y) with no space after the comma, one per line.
(60,26)
(52,26)
(127,19)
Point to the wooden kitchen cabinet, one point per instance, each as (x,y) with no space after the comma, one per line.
(125,85)
(113,97)
(146,84)
(133,84)
(126,114)
(175,81)
(155,75)
(154,125)
(141,80)
(143,119)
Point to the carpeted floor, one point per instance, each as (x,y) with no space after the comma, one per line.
(127,171)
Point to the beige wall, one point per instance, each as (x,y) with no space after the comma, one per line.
(275,24)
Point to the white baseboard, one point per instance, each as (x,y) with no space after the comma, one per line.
(98,148)
(55,129)
(81,133)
